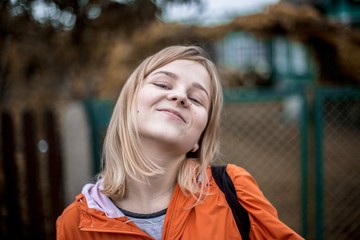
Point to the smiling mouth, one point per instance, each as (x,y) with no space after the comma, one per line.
(173,112)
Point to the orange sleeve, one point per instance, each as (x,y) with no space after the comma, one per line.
(264,220)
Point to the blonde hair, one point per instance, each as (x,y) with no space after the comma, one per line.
(122,156)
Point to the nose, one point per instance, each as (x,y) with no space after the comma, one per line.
(180,98)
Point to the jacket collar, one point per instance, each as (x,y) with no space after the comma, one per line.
(99,213)
(97,200)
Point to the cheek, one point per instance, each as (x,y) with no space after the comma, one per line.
(142,100)
(202,120)
(146,98)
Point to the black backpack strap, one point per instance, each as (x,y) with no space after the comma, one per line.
(226,185)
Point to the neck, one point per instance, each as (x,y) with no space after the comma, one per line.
(154,195)
(149,197)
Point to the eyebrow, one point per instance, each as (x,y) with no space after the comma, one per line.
(175,77)
(199,86)
(169,74)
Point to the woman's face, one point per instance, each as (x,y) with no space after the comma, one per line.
(173,105)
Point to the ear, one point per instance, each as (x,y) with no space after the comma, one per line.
(195,148)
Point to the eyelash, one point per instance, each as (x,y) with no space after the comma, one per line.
(161,85)
(195,101)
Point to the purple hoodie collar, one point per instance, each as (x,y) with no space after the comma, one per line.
(99,201)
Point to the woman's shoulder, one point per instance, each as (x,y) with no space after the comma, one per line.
(232,168)
(244,183)
(69,220)
(247,188)
(239,174)
(71,212)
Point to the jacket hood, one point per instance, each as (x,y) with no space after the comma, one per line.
(99,201)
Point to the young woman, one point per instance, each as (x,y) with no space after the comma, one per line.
(156,182)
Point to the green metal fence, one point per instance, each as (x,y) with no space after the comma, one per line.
(99,112)
(265,131)
(337,128)
(303,148)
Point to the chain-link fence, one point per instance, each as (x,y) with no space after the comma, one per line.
(267,133)
(338,164)
(261,131)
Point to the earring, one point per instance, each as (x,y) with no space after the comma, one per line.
(195,148)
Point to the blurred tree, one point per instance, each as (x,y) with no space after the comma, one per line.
(39,39)
(75,14)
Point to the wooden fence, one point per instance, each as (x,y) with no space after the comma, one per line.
(31,179)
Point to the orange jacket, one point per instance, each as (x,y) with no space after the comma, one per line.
(211,219)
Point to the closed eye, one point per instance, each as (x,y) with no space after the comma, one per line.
(160,85)
(194,100)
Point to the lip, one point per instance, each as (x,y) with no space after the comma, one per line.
(174,112)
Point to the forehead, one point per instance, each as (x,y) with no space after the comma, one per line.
(182,63)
